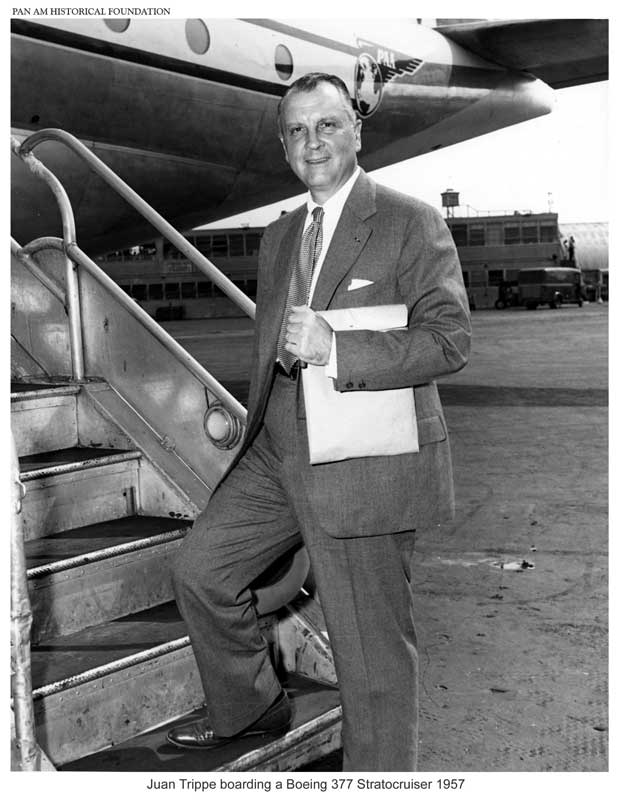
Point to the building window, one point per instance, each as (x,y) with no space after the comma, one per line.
(284,62)
(252,243)
(117,25)
(188,290)
(220,245)
(495,277)
(459,234)
(138,291)
(548,233)
(156,291)
(172,291)
(203,244)
(476,235)
(235,244)
(204,288)
(466,279)
(494,233)
(529,234)
(512,234)
(197,35)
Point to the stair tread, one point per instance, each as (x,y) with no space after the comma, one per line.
(86,539)
(23,386)
(63,656)
(69,455)
(150,752)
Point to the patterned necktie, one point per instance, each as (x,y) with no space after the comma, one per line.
(299,287)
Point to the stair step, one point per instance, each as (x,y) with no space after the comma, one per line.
(315,711)
(21,390)
(78,711)
(77,486)
(95,573)
(43,417)
(71,459)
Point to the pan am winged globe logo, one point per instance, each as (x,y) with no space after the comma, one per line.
(368,85)
(375,67)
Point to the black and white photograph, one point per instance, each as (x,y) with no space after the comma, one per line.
(308,448)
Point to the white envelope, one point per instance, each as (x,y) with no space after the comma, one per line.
(357,424)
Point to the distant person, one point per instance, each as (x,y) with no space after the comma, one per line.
(571,249)
(353,243)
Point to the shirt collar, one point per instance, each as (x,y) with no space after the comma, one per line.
(336,202)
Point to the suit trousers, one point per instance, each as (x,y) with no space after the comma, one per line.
(258,513)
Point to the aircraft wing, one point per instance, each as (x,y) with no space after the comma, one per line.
(561,52)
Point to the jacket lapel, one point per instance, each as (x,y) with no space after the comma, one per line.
(270,322)
(348,241)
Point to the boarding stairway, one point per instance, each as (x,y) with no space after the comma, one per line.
(120,438)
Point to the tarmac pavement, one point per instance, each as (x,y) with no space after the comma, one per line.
(511,598)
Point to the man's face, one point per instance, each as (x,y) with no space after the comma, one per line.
(321,138)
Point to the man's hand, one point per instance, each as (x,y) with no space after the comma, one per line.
(308,336)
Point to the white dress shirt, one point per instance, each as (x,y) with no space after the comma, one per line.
(332,209)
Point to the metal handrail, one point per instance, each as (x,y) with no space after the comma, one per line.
(162,336)
(24,151)
(23,255)
(68,232)
(21,623)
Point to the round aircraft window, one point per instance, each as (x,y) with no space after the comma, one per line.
(284,62)
(117,25)
(197,35)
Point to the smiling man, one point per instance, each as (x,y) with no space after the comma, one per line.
(352,244)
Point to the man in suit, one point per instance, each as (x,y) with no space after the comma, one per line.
(356,244)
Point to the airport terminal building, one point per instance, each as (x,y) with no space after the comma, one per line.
(493,247)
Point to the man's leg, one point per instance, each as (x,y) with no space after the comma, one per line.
(364,589)
(246,526)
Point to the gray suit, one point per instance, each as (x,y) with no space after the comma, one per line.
(356,517)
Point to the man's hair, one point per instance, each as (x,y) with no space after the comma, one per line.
(309,82)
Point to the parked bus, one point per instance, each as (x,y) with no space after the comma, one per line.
(550,285)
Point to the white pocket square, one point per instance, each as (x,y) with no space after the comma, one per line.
(358,283)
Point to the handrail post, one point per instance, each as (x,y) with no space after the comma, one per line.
(72,286)
(21,622)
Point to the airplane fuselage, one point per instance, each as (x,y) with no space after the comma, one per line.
(185,110)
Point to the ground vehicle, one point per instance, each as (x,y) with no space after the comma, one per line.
(552,285)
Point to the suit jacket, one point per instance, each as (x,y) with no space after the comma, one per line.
(404,247)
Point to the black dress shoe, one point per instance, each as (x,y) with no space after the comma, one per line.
(200,736)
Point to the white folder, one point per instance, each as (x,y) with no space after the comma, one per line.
(356,424)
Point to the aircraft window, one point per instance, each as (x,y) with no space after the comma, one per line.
(172,291)
(252,243)
(236,244)
(197,35)
(512,234)
(284,62)
(476,235)
(156,291)
(204,288)
(220,245)
(530,234)
(138,290)
(117,25)
(188,290)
